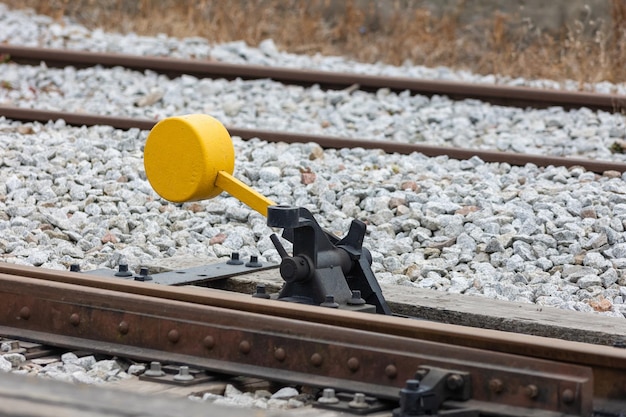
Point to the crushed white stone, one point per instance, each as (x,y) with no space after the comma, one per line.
(69,195)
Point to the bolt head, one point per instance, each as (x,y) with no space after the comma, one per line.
(280,354)
(532,391)
(173,336)
(353,364)
(245,347)
(391,371)
(209,342)
(316,359)
(568,396)
(358,401)
(123,327)
(420,374)
(454,382)
(496,386)
(328,397)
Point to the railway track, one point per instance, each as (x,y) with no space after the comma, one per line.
(292,343)
(467,371)
(409,366)
(511,96)
(497,94)
(332,142)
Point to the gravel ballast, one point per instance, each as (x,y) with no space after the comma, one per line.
(544,235)
(550,236)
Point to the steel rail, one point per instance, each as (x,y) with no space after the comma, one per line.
(227,340)
(608,363)
(497,94)
(329,142)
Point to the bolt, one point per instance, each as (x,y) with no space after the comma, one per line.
(154,370)
(411,402)
(143,275)
(183,374)
(454,382)
(254,262)
(391,371)
(122,271)
(330,302)
(316,360)
(245,347)
(234,259)
(75,319)
(173,336)
(209,342)
(496,386)
(25,313)
(280,354)
(328,397)
(412,385)
(74,268)
(568,396)
(358,401)
(355,299)
(420,374)
(532,391)
(123,327)
(260,292)
(353,364)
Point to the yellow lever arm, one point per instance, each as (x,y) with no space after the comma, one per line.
(243,192)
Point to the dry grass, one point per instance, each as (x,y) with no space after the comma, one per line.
(503,44)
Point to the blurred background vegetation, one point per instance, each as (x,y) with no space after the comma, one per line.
(562,39)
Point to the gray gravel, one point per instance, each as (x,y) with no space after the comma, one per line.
(266,104)
(27,28)
(270,105)
(86,370)
(549,236)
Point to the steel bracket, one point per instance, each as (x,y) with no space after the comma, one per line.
(432,386)
(324,269)
(199,275)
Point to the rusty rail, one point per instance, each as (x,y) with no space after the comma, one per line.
(235,333)
(333,142)
(497,94)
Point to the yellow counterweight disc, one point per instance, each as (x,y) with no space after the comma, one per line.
(183,155)
(189,158)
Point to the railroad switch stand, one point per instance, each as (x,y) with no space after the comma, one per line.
(325,270)
(191,157)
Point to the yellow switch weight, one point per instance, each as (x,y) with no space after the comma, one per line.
(191,157)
